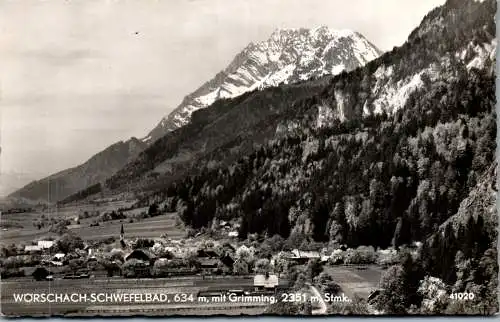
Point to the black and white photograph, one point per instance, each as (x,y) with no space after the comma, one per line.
(248,158)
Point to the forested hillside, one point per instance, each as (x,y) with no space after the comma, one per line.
(384,156)
(373,165)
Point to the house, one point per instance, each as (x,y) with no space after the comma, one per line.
(58,257)
(302,257)
(233,234)
(32,249)
(227,260)
(224,223)
(324,258)
(46,244)
(306,254)
(142,255)
(207,253)
(265,282)
(209,264)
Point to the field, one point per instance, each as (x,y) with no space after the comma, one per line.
(19,228)
(145,228)
(355,281)
(169,286)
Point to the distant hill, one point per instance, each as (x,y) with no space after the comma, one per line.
(12,181)
(98,168)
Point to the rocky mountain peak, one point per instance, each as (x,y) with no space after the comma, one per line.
(289,55)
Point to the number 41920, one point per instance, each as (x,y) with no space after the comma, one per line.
(462,296)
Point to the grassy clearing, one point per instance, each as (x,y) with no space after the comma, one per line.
(355,281)
(146,228)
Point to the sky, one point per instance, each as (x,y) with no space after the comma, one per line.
(78,76)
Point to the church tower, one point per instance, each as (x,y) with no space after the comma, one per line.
(122,232)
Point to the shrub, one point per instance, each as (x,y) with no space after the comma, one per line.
(12,272)
(361,255)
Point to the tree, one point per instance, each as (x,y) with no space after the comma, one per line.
(262,266)
(283,308)
(143,243)
(435,295)
(69,242)
(76,264)
(392,299)
(314,268)
(245,254)
(240,267)
(60,227)
(281,266)
(357,306)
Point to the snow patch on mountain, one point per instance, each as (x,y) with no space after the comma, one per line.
(208,98)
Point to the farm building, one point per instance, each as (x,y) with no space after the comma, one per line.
(32,249)
(224,223)
(265,282)
(46,244)
(302,257)
(306,254)
(142,255)
(209,264)
(207,253)
(58,257)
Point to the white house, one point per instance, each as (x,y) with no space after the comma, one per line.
(306,254)
(59,256)
(32,248)
(266,282)
(45,244)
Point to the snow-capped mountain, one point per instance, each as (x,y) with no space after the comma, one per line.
(288,56)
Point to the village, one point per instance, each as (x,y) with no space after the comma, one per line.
(197,263)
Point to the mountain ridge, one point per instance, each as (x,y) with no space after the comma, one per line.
(95,169)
